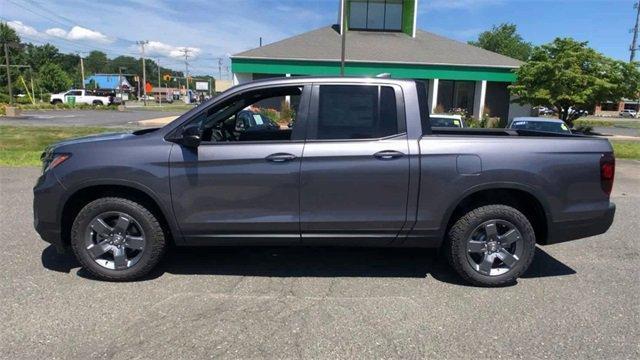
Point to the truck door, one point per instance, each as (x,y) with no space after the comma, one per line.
(355,166)
(241,186)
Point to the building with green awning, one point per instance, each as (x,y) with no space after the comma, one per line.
(381,37)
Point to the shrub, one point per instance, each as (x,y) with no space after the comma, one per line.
(271,114)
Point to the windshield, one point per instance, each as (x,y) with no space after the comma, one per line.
(444,122)
(541,126)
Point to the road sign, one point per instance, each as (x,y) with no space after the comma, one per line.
(148,87)
(202,85)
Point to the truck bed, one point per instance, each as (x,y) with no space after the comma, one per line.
(497,132)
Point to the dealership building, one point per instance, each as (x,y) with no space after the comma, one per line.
(381,37)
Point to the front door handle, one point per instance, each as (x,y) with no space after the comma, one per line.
(280,157)
(388,154)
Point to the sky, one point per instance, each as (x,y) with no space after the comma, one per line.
(213,29)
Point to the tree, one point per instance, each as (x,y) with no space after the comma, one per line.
(96,62)
(53,79)
(504,39)
(570,76)
(37,56)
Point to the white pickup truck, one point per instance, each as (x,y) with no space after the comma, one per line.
(81,97)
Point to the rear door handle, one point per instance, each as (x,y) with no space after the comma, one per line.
(280,157)
(388,154)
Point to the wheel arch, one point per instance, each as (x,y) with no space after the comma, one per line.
(84,195)
(527,200)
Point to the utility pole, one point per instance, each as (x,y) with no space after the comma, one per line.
(120,84)
(142,43)
(6,58)
(186,52)
(343,35)
(220,68)
(81,68)
(159,84)
(634,42)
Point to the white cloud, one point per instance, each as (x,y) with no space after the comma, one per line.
(80,33)
(57,32)
(23,29)
(160,48)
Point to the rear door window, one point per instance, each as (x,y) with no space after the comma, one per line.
(356,112)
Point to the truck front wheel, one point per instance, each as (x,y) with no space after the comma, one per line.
(491,245)
(97,103)
(117,239)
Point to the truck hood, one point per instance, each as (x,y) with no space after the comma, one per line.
(89,139)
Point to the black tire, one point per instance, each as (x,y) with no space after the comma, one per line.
(155,240)
(461,231)
(98,103)
(56,102)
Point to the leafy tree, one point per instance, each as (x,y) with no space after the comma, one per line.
(571,77)
(37,56)
(10,37)
(53,79)
(504,39)
(96,62)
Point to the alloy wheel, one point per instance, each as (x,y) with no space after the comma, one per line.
(494,247)
(115,240)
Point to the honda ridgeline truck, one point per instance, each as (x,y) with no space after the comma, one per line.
(358,165)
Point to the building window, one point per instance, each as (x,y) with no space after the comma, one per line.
(385,15)
(456,96)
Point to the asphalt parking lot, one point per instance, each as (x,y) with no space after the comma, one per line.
(579,300)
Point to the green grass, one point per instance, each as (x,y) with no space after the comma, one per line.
(626,149)
(22,145)
(630,123)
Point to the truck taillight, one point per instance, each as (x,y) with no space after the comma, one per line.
(607,172)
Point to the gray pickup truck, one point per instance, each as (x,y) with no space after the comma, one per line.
(358,165)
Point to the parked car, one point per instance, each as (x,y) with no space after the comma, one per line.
(440,120)
(629,113)
(79,96)
(361,166)
(540,124)
(165,98)
(543,110)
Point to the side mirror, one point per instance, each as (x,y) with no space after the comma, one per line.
(191,136)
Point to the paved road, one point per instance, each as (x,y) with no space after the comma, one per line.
(87,117)
(580,299)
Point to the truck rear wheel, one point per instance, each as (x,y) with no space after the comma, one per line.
(98,103)
(117,239)
(491,245)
